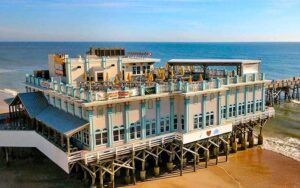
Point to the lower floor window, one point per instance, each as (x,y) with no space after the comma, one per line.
(101,137)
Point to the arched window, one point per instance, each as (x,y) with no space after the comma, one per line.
(122,132)
(104,136)
(98,137)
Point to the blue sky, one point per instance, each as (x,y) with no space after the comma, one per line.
(150,20)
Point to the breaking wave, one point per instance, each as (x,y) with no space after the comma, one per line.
(6,70)
(8,91)
(289,147)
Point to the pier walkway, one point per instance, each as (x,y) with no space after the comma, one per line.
(278,91)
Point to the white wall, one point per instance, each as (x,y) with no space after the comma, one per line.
(33,139)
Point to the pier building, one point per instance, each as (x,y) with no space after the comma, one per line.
(124,116)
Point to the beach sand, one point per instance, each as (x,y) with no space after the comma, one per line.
(251,168)
(3,105)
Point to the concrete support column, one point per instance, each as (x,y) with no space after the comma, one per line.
(186,114)
(203,111)
(119,67)
(91,130)
(109,126)
(219,108)
(143,119)
(157,116)
(127,125)
(172,114)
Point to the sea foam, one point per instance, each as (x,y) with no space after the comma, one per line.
(289,147)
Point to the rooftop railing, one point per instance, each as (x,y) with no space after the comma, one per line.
(107,91)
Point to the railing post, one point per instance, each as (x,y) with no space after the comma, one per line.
(142,90)
(186,87)
(81,92)
(157,88)
(179,85)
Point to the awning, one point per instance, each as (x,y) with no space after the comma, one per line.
(33,102)
(36,105)
(61,121)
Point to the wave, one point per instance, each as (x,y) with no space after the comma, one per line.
(9,91)
(6,70)
(289,147)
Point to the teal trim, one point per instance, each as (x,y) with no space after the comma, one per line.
(219,108)
(91,130)
(246,100)
(171,114)
(143,119)
(119,63)
(186,114)
(109,127)
(254,99)
(69,75)
(237,91)
(186,87)
(127,124)
(203,111)
(87,67)
(227,103)
(157,117)
(263,97)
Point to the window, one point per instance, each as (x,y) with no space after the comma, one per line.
(195,121)
(138,130)
(240,109)
(200,121)
(122,132)
(132,131)
(138,70)
(167,124)
(104,136)
(223,111)
(116,133)
(86,137)
(135,130)
(148,68)
(148,128)
(153,127)
(209,118)
(134,70)
(98,137)
(175,122)
(162,125)
(144,69)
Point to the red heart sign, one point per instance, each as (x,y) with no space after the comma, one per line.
(208,133)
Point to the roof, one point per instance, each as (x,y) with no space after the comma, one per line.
(37,107)
(212,62)
(34,102)
(61,121)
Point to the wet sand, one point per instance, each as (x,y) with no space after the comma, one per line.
(251,168)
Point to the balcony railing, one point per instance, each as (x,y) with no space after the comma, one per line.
(108,92)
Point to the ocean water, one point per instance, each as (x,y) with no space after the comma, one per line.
(279,61)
